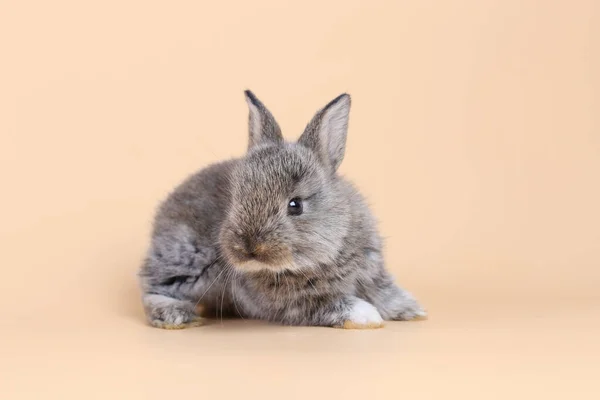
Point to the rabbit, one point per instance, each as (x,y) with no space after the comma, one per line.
(277,235)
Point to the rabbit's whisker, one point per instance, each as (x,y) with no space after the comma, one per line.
(209,286)
(227,278)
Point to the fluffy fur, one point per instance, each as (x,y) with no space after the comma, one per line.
(224,238)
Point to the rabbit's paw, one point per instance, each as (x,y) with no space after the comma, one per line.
(410,311)
(166,313)
(193,322)
(362,315)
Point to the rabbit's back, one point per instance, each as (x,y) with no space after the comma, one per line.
(199,203)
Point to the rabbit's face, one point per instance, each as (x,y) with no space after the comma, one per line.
(287,211)
(284,212)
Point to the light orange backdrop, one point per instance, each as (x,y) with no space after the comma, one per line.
(474,133)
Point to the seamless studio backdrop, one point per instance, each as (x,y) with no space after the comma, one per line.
(474,133)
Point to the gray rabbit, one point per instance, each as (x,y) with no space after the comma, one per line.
(276,235)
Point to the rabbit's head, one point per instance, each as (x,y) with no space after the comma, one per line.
(288,207)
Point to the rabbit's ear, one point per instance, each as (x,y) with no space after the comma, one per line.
(326,132)
(262,126)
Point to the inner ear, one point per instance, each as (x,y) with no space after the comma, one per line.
(262,127)
(326,133)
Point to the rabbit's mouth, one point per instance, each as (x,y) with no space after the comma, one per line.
(271,260)
(255,266)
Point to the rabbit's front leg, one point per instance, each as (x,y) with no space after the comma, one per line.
(362,315)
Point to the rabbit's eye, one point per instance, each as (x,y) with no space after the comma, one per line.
(295,206)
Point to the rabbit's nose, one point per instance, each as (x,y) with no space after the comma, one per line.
(254,248)
(249,246)
(258,250)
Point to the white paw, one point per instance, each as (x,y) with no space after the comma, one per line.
(363,316)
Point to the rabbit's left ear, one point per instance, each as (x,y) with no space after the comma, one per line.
(326,133)
(261,125)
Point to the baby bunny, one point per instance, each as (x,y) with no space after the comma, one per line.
(276,235)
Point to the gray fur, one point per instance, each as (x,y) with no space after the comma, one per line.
(224,239)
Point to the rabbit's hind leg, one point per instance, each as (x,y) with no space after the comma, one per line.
(177,275)
(397,304)
(168,313)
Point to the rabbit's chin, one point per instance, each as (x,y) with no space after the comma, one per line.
(256,266)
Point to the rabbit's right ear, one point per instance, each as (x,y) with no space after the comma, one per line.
(261,125)
(326,133)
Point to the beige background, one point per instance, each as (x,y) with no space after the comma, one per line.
(475,133)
